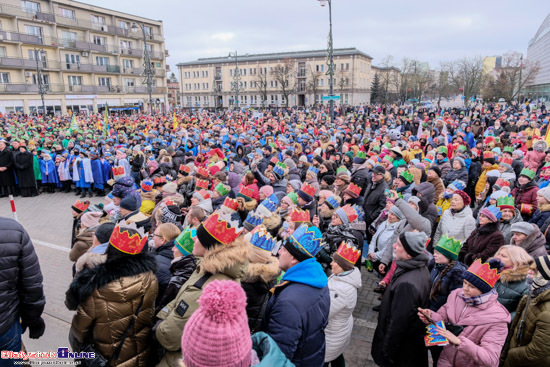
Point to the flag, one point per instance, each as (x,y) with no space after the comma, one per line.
(175,121)
(420,130)
(106,122)
(74,124)
(547,138)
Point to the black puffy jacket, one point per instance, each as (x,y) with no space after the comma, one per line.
(375,201)
(180,271)
(164,257)
(21,293)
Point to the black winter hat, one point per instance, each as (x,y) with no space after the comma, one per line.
(104,231)
(129,203)
(329,179)
(437,170)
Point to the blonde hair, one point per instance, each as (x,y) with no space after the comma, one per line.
(518,256)
(168,231)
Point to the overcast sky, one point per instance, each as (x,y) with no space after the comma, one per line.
(426,30)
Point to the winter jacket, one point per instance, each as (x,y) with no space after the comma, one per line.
(83,242)
(219,263)
(105,299)
(360,177)
(506,226)
(426,206)
(533,349)
(297,314)
(526,196)
(484,334)
(375,201)
(343,298)
(511,286)
(534,244)
(533,159)
(21,293)
(268,351)
(480,185)
(458,225)
(399,335)
(458,174)
(180,270)
(257,282)
(483,243)
(444,166)
(541,215)
(164,256)
(451,280)
(7,178)
(24,167)
(415,221)
(438,186)
(385,236)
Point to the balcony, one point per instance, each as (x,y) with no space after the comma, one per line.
(106,69)
(14,10)
(9,36)
(301,74)
(133,52)
(157,55)
(154,37)
(218,76)
(134,71)
(29,88)
(78,68)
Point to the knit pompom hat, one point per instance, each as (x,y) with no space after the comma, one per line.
(217,334)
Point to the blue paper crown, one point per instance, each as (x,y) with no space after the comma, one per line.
(360,212)
(279,170)
(331,201)
(253,219)
(496,211)
(263,240)
(270,203)
(307,240)
(458,184)
(314,170)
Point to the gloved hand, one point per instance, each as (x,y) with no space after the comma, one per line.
(36,329)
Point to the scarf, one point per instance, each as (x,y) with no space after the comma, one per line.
(539,285)
(478,300)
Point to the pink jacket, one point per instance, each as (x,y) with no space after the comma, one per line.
(533,159)
(484,334)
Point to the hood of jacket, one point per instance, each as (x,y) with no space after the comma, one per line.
(231,260)
(516,218)
(532,242)
(352,278)
(416,262)
(206,205)
(262,272)
(308,272)
(427,190)
(272,222)
(514,275)
(165,250)
(111,270)
(268,351)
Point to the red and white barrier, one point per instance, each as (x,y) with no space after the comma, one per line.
(12,202)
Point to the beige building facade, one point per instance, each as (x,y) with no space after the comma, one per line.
(297,78)
(87,57)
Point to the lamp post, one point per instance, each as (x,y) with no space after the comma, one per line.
(236,77)
(330,58)
(41,86)
(149,72)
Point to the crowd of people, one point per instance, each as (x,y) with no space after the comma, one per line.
(239,238)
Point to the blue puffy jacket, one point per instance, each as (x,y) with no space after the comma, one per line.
(297,314)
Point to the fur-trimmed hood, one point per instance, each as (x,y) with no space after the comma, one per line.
(184,180)
(540,145)
(111,270)
(514,275)
(89,260)
(231,260)
(262,272)
(272,221)
(250,205)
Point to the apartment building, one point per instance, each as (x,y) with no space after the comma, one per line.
(86,57)
(297,78)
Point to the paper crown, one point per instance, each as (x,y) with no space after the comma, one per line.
(203,193)
(246,192)
(169,202)
(201,184)
(313,169)
(488,140)
(502,183)
(279,169)
(184,169)
(342,170)
(231,204)
(221,189)
(263,240)
(185,241)
(354,188)
(361,155)
(253,219)
(147,185)
(307,240)
(298,215)
(268,206)
(488,154)
(220,229)
(159,180)
(457,185)
(528,173)
(81,206)
(332,202)
(484,272)
(407,176)
(506,202)
(118,172)
(360,212)
(274,160)
(350,211)
(449,247)
(122,240)
(388,159)
(348,252)
(508,149)
(201,171)
(308,190)
(494,211)
(546,166)
(429,158)
(506,160)
(442,150)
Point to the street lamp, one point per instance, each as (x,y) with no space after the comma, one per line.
(41,87)
(149,72)
(330,59)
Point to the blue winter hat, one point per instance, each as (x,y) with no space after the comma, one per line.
(305,242)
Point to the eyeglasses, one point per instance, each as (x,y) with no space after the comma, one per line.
(157,235)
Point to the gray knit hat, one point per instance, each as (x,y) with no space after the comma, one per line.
(523,227)
(397,212)
(545,193)
(413,242)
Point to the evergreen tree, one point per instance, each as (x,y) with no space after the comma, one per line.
(376,93)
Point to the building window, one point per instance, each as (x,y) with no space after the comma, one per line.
(127,64)
(347,65)
(102,61)
(72,59)
(148,30)
(122,24)
(104,81)
(125,45)
(4,78)
(66,13)
(2,51)
(230,72)
(149,47)
(97,19)
(321,82)
(30,7)
(74,80)
(45,79)
(32,30)
(244,84)
(98,40)
(244,71)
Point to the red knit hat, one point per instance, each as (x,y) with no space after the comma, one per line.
(465,197)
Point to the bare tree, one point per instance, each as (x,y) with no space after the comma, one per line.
(342,81)
(283,75)
(466,73)
(261,84)
(313,83)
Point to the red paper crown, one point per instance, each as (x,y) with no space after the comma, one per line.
(124,242)
(298,215)
(505,160)
(169,203)
(502,182)
(231,203)
(308,189)
(246,191)
(81,205)
(274,160)
(203,172)
(159,180)
(184,168)
(348,252)
(205,195)
(484,272)
(118,171)
(488,154)
(350,211)
(220,229)
(354,188)
(201,184)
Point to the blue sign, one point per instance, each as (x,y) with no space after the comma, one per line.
(331,98)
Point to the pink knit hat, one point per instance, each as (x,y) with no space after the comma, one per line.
(90,219)
(217,334)
(266,190)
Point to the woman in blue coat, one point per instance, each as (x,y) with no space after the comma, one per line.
(50,178)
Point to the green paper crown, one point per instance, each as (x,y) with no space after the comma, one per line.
(508,150)
(506,201)
(341,170)
(222,189)
(443,150)
(184,242)
(449,247)
(387,145)
(294,197)
(361,155)
(462,148)
(528,173)
(407,176)
(388,158)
